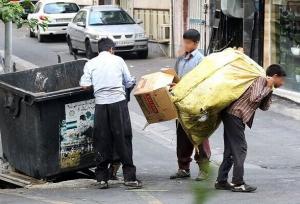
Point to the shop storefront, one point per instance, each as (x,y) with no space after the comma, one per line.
(282,38)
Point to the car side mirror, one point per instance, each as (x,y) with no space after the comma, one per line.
(139,21)
(81,24)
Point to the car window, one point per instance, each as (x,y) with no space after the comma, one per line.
(77,18)
(110,18)
(80,17)
(60,7)
(83,17)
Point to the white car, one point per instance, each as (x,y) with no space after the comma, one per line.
(58,13)
(95,22)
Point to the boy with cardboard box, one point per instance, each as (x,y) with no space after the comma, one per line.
(184,64)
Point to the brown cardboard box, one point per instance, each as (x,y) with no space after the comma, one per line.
(152,94)
(171,71)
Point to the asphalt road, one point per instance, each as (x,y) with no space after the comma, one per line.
(273,162)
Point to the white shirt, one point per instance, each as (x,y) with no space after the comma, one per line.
(109,76)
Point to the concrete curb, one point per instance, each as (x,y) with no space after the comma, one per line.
(20,63)
(288,95)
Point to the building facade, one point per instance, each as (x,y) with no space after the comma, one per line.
(268,30)
(282,38)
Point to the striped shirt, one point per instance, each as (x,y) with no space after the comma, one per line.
(258,95)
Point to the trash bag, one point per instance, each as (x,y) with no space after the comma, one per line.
(200,96)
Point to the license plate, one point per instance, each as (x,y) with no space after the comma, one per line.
(124,43)
(63,20)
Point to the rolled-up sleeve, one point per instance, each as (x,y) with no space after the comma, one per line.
(86,78)
(266,102)
(128,80)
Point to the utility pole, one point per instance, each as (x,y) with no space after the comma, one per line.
(205,27)
(7,65)
(8,48)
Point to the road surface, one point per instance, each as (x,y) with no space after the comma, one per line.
(273,162)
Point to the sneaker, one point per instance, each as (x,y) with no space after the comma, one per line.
(223,185)
(202,176)
(244,188)
(103,185)
(181,174)
(133,184)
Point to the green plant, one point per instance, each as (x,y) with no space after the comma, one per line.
(204,190)
(12,12)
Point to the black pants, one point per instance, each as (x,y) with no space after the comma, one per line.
(235,149)
(185,150)
(112,132)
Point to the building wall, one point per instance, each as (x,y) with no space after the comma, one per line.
(155,15)
(153,4)
(179,25)
(267,34)
(281,35)
(85,2)
(190,14)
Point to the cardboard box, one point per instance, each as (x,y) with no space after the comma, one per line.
(152,94)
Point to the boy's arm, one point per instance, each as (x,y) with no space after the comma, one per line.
(266,102)
(259,90)
(177,65)
(86,78)
(128,80)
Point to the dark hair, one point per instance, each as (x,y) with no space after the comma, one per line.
(192,34)
(105,44)
(275,69)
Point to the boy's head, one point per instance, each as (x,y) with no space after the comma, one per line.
(191,40)
(277,73)
(106,44)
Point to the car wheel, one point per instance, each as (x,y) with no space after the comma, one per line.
(88,50)
(31,33)
(143,54)
(41,38)
(71,49)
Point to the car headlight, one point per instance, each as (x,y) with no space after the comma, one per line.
(97,36)
(140,35)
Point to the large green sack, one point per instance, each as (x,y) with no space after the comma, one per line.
(200,96)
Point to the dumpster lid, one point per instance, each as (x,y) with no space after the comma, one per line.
(45,83)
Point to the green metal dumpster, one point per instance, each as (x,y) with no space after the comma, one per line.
(46,120)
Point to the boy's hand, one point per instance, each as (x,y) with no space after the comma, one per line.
(172,85)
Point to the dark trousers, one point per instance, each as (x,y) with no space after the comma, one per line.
(112,132)
(235,149)
(185,150)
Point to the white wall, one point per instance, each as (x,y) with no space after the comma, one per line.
(178,25)
(85,2)
(152,4)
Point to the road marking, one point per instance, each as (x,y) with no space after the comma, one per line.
(150,199)
(147,190)
(36,198)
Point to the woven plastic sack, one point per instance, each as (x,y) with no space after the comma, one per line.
(200,96)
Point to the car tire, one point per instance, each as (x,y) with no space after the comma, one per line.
(88,50)
(71,49)
(41,38)
(31,33)
(142,54)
